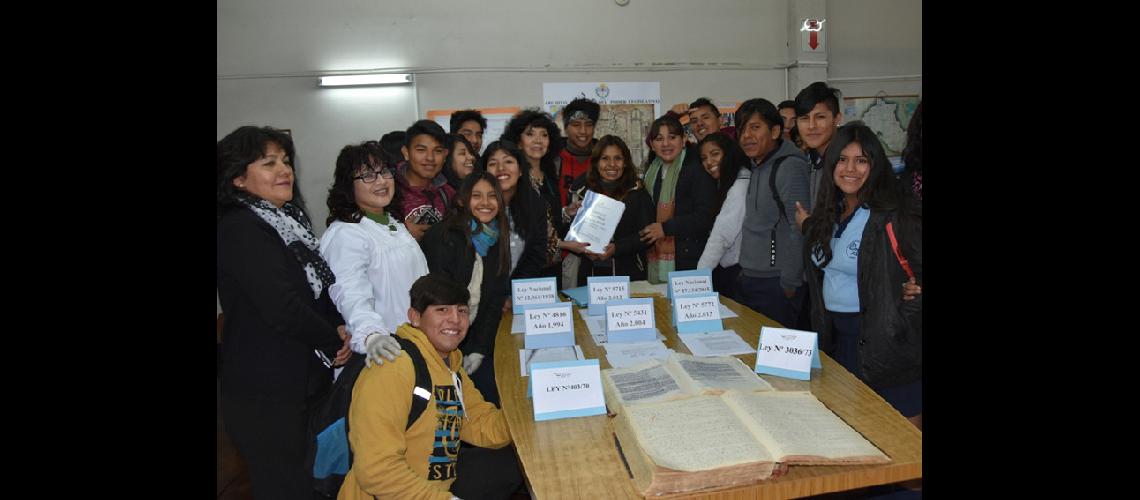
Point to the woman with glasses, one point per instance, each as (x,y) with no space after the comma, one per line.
(374,257)
(281,329)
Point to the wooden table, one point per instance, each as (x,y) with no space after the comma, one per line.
(577,457)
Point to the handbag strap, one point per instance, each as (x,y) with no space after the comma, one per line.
(895,246)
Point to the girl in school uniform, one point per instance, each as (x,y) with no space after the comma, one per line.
(863,245)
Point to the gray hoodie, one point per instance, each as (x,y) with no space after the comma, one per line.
(761,213)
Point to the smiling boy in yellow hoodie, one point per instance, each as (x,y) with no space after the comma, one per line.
(420,462)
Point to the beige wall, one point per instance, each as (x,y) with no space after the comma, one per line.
(498,53)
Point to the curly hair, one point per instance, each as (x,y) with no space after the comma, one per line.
(628,180)
(533,117)
(730,163)
(353,159)
(242,147)
(878,191)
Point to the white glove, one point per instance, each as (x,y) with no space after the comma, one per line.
(378,346)
(472,361)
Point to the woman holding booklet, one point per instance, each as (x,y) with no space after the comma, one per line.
(613,174)
(863,244)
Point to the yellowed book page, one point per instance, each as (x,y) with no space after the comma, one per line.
(694,434)
(645,383)
(798,428)
(716,374)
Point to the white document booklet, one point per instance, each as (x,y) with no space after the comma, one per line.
(596,221)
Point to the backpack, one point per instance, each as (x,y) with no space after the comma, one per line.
(779,204)
(329,451)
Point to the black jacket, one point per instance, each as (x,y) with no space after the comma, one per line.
(694,212)
(629,250)
(533,211)
(272,322)
(890,344)
(446,249)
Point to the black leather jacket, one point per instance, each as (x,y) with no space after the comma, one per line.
(890,343)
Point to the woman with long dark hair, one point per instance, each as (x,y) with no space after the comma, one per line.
(613,173)
(526,212)
(461,159)
(725,162)
(280,328)
(863,251)
(472,247)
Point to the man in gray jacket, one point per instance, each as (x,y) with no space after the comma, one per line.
(771,257)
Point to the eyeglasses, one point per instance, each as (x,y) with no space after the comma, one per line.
(369,176)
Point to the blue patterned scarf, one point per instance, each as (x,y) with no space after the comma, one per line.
(486,238)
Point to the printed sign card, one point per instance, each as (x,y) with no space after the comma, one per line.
(787,353)
(687,282)
(548,325)
(525,292)
(565,389)
(697,312)
(630,320)
(606,288)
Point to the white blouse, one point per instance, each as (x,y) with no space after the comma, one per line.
(375,268)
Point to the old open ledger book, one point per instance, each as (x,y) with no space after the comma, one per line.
(690,424)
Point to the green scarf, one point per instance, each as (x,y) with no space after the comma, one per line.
(380,218)
(659,269)
(670,185)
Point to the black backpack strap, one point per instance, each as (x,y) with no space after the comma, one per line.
(775,193)
(780,205)
(421,393)
(443,196)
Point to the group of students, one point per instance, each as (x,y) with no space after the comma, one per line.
(426,230)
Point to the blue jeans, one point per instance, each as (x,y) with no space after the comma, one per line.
(766,296)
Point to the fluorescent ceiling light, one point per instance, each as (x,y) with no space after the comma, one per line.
(375,79)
